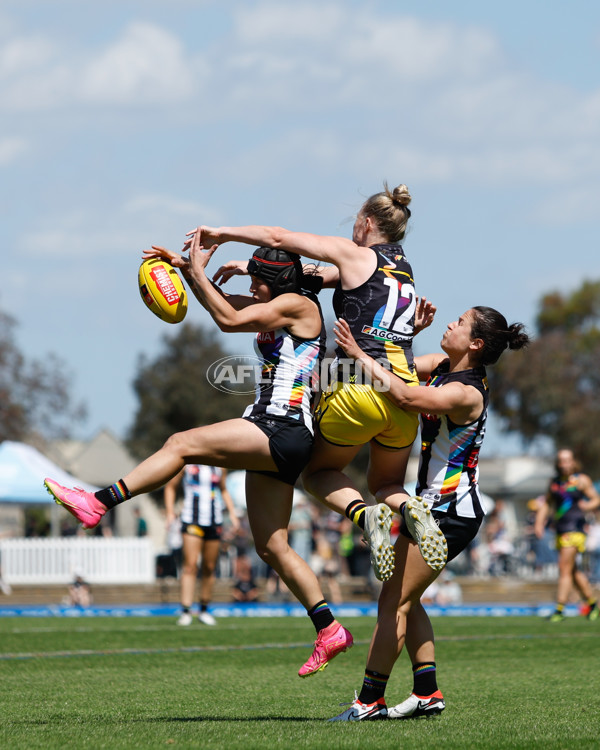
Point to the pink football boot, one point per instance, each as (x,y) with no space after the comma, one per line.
(83,505)
(330,642)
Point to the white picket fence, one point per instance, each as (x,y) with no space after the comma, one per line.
(98,560)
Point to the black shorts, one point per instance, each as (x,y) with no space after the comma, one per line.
(290,443)
(210,533)
(459,532)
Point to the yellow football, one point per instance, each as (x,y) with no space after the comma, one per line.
(162,290)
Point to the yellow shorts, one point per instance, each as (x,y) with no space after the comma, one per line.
(351,414)
(571,539)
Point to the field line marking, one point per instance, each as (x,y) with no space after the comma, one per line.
(259,647)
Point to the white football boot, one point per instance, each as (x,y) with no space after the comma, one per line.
(415,706)
(378,524)
(426,533)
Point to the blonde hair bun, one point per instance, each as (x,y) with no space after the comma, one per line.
(401,195)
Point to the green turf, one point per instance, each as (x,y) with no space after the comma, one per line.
(145,683)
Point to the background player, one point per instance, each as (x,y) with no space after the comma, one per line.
(570,496)
(204,493)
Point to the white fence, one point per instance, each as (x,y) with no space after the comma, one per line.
(98,560)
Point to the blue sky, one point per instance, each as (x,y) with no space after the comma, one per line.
(126,123)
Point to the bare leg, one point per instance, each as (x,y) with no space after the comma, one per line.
(419,635)
(398,596)
(233,444)
(189,568)
(566,567)
(323,477)
(582,584)
(269,504)
(387,469)
(210,556)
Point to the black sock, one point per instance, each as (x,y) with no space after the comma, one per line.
(424,678)
(321,615)
(203,606)
(113,495)
(356,513)
(185,609)
(373,687)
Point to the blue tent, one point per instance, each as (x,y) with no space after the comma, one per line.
(22,473)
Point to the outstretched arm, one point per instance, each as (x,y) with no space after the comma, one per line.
(461,402)
(256,316)
(237,301)
(328,249)
(329,274)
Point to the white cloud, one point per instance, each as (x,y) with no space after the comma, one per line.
(23,54)
(449,91)
(351,90)
(145,65)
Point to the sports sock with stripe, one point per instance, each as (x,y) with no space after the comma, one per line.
(321,615)
(424,678)
(373,687)
(113,495)
(356,513)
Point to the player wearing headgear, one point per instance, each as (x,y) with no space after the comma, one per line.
(282,271)
(284,389)
(375,293)
(273,440)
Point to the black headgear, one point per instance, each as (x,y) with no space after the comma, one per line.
(281,270)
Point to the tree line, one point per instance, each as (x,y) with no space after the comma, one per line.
(551,390)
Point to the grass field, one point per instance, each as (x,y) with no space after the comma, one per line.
(145,683)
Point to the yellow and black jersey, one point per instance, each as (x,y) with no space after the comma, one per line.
(381,311)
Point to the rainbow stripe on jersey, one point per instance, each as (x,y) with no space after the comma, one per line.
(448,471)
(289,376)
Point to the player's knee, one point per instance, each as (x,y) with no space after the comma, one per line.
(207,571)
(175,443)
(271,550)
(184,444)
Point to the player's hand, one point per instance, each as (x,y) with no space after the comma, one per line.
(199,257)
(424,314)
(232,268)
(345,339)
(202,236)
(175,259)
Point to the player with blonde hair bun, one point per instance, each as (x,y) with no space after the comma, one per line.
(375,294)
